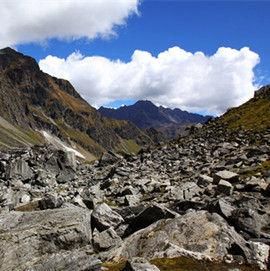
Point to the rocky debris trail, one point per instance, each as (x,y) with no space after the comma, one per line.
(204,197)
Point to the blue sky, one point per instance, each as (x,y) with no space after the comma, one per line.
(191,25)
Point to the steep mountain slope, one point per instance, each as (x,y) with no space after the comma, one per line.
(145,114)
(253,115)
(34,101)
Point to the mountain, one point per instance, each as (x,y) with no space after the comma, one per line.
(146,115)
(34,104)
(252,115)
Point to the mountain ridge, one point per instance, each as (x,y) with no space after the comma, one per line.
(145,115)
(33,100)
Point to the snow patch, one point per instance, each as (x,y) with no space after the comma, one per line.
(55,141)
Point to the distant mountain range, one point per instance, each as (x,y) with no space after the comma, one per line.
(34,104)
(145,115)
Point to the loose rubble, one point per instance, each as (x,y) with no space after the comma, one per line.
(205,196)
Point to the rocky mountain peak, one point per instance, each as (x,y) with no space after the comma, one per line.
(9,51)
(169,123)
(263,92)
(11,59)
(144,104)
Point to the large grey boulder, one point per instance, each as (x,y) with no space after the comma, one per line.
(50,201)
(106,239)
(185,191)
(103,217)
(29,238)
(199,235)
(222,207)
(250,222)
(19,168)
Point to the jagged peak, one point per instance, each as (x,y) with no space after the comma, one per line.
(145,103)
(9,56)
(263,92)
(8,51)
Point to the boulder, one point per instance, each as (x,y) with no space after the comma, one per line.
(199,235)
(261,252)
(150,215)
(109,158)
(75,260)
(27,238)
(185,191)
(103,217)
(105,240)
(19,168)
(225,188)
(66,176)
(204,180)
(132,200)
(226,175)
(50,201)
(249,221)
(222,207)
(66,159)
(139,264)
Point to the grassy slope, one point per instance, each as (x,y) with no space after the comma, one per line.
(182,264)
(253,115)
(12,137)
(128,146)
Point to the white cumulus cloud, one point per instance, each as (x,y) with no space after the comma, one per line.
(175,78)
(39,20)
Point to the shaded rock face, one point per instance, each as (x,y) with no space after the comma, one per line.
(203,197)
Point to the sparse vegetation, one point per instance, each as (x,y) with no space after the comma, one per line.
(180,264)
(253,115)
(113,266)
(264,166)
(128,146)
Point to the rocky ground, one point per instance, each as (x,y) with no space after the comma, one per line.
(203,198)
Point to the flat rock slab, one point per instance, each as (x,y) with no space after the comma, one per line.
(226,175)
(25,237)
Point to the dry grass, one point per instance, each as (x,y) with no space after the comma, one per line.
(253,115)
(68,100)
(79,137)
(128,146)
(264,166)
(181,264)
